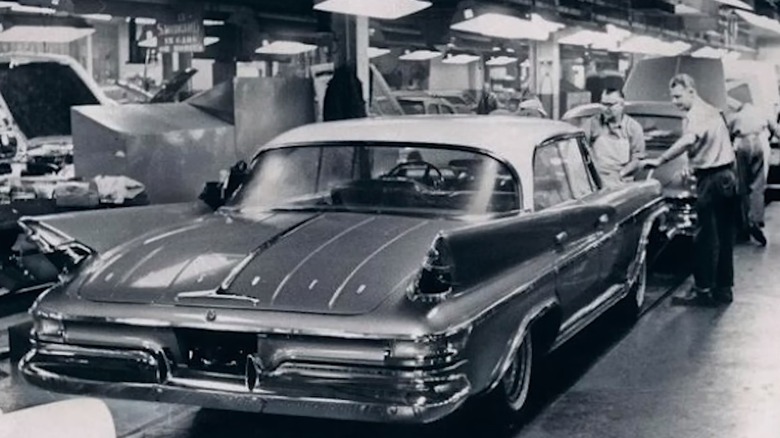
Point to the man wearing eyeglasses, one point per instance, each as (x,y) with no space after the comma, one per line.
(617,140)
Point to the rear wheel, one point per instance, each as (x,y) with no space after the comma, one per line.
(516,382)
(508,399)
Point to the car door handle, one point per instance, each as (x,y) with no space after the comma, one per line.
(603,220)
(561,237)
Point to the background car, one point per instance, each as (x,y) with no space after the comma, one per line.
(381,269)
(662,125)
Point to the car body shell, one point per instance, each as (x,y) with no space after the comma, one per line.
(168,284)
(679,187)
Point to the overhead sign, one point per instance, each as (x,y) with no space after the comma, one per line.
(185,34)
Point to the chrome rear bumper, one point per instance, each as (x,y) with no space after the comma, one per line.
(313,390)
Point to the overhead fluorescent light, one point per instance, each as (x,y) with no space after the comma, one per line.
(98,17)
(209,40)
(683,9)
(375,52)
(759,21)
(145,20)
(736,3)
(710,52)
(500,60)
(653,46)
(460,59)
(285,48)
(383,9)
(505,26)
(16,7)
(213,22)
(419,55)
(44,34)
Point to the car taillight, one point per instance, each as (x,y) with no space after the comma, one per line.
(436,278)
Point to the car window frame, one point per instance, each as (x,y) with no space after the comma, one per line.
(521,207)
(585,166)
(553,142)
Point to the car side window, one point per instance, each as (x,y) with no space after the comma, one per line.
(579,178)
(551,186)
(433,108)
(446,110)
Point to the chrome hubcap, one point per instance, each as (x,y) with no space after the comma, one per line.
(517,378)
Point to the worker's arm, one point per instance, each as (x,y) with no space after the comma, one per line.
(681,145)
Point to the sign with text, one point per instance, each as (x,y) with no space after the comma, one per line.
(185,34)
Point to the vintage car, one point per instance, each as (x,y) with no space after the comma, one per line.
(662,124)
(37,92)
(382,270)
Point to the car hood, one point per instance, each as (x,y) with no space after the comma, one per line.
(339,263)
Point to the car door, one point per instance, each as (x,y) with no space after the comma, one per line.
(578,263)
(586,189)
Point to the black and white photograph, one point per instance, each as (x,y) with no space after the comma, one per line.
(390,218)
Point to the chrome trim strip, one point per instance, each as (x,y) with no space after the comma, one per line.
(308,257)
(233,274)
(587,314)
(343,284)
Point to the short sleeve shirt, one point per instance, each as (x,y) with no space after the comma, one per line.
(712,147)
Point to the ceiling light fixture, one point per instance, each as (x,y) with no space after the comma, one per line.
(460,59)
(44,34)
(500,60)
(16,7)
(736,3)
(145,20)
(683,9)
(504,26)
(759,21)
(208,22)
(653,46)
(709,52)
(375,52)
(98,17)
(284,48)
(382,9)
(419,55)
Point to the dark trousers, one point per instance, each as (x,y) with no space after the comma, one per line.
(713,240)
(752,181)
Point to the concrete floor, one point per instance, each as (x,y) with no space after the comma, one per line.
(679,372)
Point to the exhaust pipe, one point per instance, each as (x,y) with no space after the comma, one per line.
(254,369)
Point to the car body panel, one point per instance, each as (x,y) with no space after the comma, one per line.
(323,313)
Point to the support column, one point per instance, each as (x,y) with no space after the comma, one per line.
(361,55)
(547,68)
(167,65)
(90,62)
(185,61)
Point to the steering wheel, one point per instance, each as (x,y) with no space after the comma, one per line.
(435,182)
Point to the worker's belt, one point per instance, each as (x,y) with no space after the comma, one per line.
(712,170)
